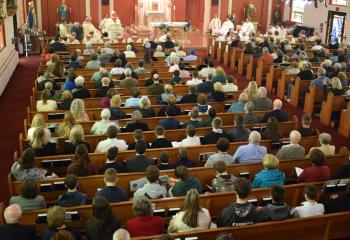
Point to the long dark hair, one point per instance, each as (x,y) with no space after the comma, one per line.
(81,161)
(103,219)
(272,131)
(27,160)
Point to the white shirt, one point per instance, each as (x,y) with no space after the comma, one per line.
(130,54)
(31,132)
(194,81)
(50,105)
(190,141)
(206,71)
(117,70)
(173,68)
(229,87)
(104,145)
(226,27)
(215,25)
(101,127)
(308,209)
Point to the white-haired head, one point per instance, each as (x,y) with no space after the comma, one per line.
(262,92)
(79,81)
(13,214)
(277,104)
(105,114)
(254,137)
(121,234)
(294,137)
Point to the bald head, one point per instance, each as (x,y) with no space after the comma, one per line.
(121,234)
(13,214)
(277,104)
(294,137)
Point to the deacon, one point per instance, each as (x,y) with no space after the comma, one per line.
(215,26)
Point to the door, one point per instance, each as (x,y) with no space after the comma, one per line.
(335,26)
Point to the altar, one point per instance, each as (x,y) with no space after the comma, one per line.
(177,29)
(148,11)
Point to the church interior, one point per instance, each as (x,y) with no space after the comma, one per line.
(174,119)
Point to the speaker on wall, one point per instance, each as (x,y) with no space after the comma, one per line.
(105,2)
(214,2)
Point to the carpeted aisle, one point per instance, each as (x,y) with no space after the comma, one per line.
(13,103)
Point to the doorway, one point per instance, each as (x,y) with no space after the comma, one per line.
(335,26)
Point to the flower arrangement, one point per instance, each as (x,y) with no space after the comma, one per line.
(11,7)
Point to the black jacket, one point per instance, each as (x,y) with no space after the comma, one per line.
(18,232)
(119,167)
(184,162)
(113,194)
(237,215)
(213,137)
(130,127)
(65,104)
(190,98)
(161,143)
(147,113)
(280,115)
(69,148)
(58,46)
(274,212)
(238,134)
(80,92)
(102,92)
(70,199)
(206,87)
(139,163)
(107,232)
(117,113)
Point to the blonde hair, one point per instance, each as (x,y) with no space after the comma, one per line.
(40,138)
(77,135)
(66,95)
(56,217)
(220,71)
(116,101)
(145,103)
(77,108)
(65,127)
(252,90)
(270,161)
(171,100)
(192,208)
(243,97)
(218,86)
(38,121)
(168,88)
(336,83)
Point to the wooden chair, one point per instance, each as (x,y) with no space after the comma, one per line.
(332,104)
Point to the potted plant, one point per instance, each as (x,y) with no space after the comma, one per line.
(11,7)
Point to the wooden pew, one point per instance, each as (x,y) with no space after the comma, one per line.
(227,53)
(227,119)
(313,99)
(329,226)
(272,77)
(250,69)
(344,126)
(94,113)
(299,88)
(149,136)
(220,51)
(261,72)
(283,83)
(243,62)
(235,57)
(214,202)
(332,104)
(90,184)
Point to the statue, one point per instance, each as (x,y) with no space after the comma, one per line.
(277,15)
(31,19)
(63,11)
(249,11)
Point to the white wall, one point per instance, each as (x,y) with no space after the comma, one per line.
(8,55)
(313,17)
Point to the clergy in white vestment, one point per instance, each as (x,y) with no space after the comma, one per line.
(89,27)
(247,28)
(215,26)
(114,26)
(63,30)
(226,27)
(92,39)
(72,39)
(103,24)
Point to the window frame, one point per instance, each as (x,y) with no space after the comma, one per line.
(292,12)
(3,36)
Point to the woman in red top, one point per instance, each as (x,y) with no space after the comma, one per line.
(318,172)
(144,223)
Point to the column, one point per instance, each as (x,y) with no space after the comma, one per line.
(229,10)
(38,14)
(219,10)
(88,9)
(207,10)
(269,12)
(111,6)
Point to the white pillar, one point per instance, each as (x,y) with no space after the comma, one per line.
(269,12)
(38,14)
(229,10)
(207,10)
(88,8)
(219,10)
(99,7)
(111,6)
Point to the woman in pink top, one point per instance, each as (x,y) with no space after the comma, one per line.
(77,108)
